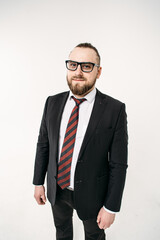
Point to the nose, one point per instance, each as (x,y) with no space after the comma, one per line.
(78,70)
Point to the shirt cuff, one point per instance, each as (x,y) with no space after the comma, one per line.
(109,210)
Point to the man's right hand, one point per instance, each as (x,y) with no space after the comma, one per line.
(39,194)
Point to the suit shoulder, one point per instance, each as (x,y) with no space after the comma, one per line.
(115,101)
(111,100)
(57,96)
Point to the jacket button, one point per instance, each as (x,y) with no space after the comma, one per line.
(80,160)
(79,181)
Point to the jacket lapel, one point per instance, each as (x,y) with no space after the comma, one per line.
(98,108)
(55,120)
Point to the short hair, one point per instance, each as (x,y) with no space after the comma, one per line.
(89,45)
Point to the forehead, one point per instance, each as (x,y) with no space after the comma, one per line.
(83,55)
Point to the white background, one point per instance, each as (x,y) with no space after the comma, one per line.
(35,38)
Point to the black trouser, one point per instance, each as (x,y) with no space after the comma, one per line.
(63,212)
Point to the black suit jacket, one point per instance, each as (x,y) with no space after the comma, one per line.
(102,162)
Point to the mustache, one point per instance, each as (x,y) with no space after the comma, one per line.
(78,77)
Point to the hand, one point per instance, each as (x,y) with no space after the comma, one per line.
(105,219)
(39,195)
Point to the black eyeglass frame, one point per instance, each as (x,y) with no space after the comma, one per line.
(80,63)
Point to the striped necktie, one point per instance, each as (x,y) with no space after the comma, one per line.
(64,167)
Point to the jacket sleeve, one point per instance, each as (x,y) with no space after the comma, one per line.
(117,163)
(42,151)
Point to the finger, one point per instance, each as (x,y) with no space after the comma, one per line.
(107,225)
(39,200)
(43,197)
(98,218)
(100,226)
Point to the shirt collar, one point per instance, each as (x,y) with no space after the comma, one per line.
(89,97)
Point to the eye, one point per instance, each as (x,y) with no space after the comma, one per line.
(87,66)
(72,64)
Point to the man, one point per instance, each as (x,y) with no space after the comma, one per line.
(82,146)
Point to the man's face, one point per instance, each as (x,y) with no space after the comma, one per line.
(79,82)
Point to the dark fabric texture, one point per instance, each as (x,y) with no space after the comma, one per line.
(63,213)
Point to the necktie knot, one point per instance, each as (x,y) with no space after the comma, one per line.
(78,101)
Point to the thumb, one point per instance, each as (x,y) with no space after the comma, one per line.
(43,197)
(98,218)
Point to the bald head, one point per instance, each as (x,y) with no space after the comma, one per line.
(89,46)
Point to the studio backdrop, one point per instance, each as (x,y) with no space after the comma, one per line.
(36,38)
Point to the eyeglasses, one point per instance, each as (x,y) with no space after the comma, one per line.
(85,66)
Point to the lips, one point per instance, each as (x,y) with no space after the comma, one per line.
(78,79)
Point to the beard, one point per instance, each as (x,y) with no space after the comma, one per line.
(79,90)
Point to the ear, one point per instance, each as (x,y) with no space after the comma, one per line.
(99,72)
